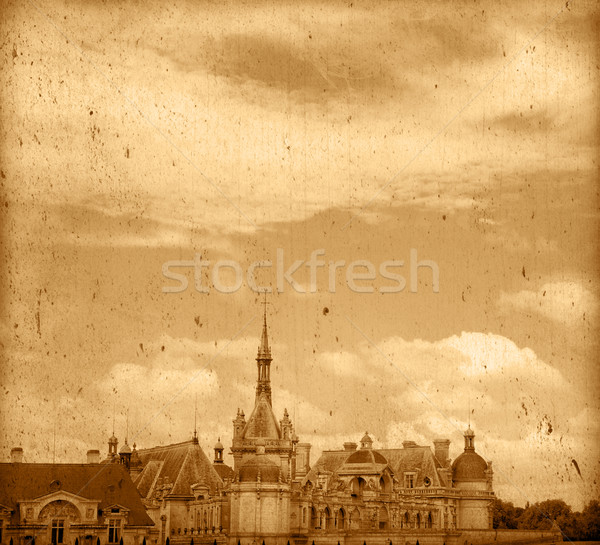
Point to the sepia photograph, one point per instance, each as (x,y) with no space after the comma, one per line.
(299,273)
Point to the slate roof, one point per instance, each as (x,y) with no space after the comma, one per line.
(224,471)
(108,483)
(262,422)
(182,464)
(418,459)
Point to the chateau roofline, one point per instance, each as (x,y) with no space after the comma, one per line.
(167,447)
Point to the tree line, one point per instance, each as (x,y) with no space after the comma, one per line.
(575,525)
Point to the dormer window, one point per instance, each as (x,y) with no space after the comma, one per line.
(409,480)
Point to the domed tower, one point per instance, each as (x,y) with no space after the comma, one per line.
(260,499)
(469,469)
(473,475)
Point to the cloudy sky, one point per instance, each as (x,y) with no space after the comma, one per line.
(467,133)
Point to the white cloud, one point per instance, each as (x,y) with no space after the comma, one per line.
(564,302)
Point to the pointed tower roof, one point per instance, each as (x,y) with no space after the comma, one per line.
(262,422)
(264,352)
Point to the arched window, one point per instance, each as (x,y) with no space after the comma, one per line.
(385,484)
(405,521)
(418,520)
(326,519)
(429,522)
(314,518)
(383,518)
(341,520)
(358,486)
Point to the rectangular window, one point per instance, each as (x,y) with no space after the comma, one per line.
(58,530)
(114,530)
(409,480)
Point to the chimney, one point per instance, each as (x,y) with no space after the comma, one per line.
(93,456)
(349,446)
(302,460)
(16,455)
(409,444)
(442,450)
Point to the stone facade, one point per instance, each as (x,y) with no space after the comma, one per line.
(70,504)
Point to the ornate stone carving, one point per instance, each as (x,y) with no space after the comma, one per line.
(59,509)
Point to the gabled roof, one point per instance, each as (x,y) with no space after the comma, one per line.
(262,422)
(181,464)
(108,483)
(418,459)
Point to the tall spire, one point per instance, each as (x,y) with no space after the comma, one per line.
(263,350)
(263,361)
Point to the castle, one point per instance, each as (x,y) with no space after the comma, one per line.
(273,495)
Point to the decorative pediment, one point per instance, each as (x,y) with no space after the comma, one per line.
(59,503)
(115,510)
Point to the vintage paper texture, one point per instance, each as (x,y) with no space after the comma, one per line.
(461,134)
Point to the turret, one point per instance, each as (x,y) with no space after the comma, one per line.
(286,426)
(125,455)
(218,452)
(238,424)
(113,443)
(469,439)
(366,442)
